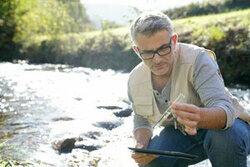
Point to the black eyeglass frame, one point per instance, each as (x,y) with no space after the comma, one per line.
(156,51)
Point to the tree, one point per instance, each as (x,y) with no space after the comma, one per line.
(21,21)
(78,12)
(8,26)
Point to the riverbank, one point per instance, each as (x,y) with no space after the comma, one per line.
(226,34)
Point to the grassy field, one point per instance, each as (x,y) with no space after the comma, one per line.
(212,26)
(234,19)
(227,34)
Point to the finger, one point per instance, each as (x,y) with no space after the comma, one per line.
(186,107)
(139,145)
(140,158)
(191,131)
(141,161)
(145,160)
(141,155)
(137,155)
(188,123)
(187,115)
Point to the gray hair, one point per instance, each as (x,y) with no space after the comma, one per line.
(149,23)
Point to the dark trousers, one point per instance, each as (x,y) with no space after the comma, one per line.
(224,148)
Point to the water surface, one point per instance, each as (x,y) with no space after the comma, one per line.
(43,104)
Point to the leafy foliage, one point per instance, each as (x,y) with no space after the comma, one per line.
(104,50)
(20,21)
(78,12)
(14,164)
(48,17)
(8,48)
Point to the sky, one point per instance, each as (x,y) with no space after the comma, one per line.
(145,4)
(121,11)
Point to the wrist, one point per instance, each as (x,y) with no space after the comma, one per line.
(142,137)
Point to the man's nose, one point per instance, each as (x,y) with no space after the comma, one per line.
(157,58)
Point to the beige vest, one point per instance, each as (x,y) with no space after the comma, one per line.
(182,82)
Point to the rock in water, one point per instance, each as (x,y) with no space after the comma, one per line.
(123,113)
(88,147)
(109,107)
(63,119)
(93,134)
(107,125)
(64,146)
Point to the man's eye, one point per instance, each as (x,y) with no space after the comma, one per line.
(164,49)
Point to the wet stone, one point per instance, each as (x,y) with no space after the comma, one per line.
(123,113)
(93,134)
(107,125)
(67,145)
(88,147)
(64,146)
(78,98)
(63,119)
(109,107)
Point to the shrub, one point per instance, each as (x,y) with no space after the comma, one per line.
(105,51)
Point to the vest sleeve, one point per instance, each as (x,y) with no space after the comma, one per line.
(139,121)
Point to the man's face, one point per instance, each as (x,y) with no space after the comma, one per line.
(159,65)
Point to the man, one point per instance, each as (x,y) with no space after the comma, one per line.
(210,122)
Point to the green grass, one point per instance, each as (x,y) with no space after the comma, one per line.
(228,20)
(15,164)
(3,143)
(195,24)
(9,163)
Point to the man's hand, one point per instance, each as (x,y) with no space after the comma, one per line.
(143,159)
(188,115)
(142,137)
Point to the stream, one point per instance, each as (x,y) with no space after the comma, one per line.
(43,106)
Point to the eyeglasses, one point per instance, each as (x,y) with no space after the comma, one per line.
(164,50)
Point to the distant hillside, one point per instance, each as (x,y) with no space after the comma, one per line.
(207,7)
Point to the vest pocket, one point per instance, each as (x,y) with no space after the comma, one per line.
(143,106)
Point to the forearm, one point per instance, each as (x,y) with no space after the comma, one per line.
(142,136)
(212,118)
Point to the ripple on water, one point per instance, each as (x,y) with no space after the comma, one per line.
(42,103)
